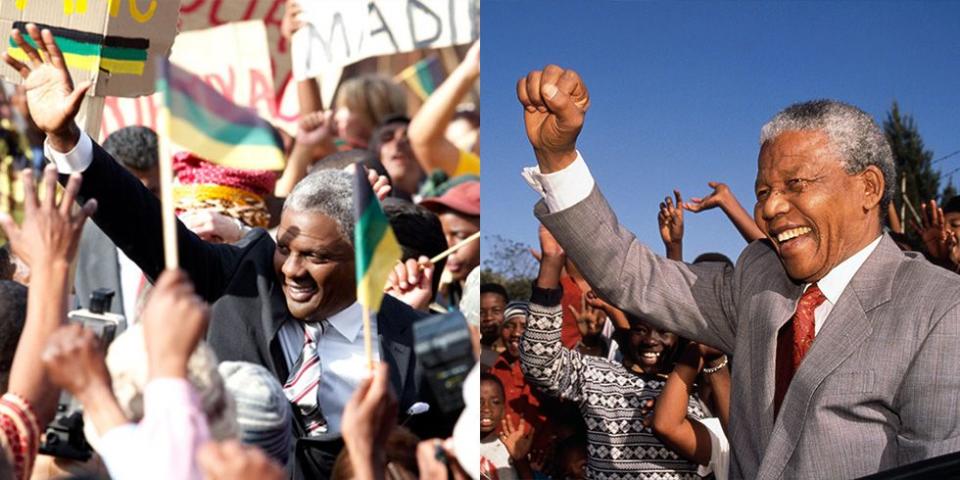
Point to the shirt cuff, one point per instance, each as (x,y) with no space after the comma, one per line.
(546,297)
(118,447)
(76,160)
(161,393)
(564,189)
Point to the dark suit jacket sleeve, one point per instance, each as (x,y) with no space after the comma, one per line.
(130,215)
(695,301)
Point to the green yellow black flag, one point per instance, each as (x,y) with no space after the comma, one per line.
(376,247)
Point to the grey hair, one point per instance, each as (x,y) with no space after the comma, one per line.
(329,192)
(853,133)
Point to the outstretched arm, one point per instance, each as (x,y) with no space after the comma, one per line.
(692,300)
(722,197)
(128,213)
(689,439)
(670,220)
(555,369)
(427,130)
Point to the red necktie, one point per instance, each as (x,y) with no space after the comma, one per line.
(793,341)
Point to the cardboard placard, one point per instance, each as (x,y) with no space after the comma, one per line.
(110,42)
(240,71)
(341,32)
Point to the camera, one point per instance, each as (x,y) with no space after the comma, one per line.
(64,435)
(444,350)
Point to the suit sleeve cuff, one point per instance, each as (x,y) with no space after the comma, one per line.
(547,297)
(76,160)
(563,189)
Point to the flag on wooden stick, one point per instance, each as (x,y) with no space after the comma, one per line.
(375,244)
(203,121)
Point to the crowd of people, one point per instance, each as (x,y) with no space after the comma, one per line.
(249,360)
(819,353)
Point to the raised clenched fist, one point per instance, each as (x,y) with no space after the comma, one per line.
(555,101)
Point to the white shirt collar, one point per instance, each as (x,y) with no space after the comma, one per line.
(349,321)
(834,282)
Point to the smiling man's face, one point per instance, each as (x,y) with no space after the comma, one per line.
(314,264)
(815,213)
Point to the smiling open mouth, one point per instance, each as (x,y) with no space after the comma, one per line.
(788,235)
(300,293)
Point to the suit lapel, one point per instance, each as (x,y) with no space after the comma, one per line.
(775,307)
(392,344)
(841,335)
(273,319)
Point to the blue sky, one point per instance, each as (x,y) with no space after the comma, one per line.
(680,90)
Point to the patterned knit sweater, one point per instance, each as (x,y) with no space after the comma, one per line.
(619,447)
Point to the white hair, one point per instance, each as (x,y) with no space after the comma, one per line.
(855,136)
(328,192)
(127,362)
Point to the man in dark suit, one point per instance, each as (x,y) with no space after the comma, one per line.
(267,297)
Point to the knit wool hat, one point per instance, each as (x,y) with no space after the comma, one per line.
(240,194)
(515,308)
(263,411)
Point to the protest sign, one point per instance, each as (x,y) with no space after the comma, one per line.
(341,32)
(239,70)
(112,43)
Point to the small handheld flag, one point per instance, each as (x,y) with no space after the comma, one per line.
(376,250)
(209,125)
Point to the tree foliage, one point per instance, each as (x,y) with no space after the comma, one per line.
(509,263)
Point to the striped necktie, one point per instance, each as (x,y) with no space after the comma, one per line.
(301,388)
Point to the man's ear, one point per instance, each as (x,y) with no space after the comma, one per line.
(871,179)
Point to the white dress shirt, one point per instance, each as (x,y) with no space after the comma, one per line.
(343,360)
(570,186)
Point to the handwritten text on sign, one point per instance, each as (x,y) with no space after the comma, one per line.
(341,32)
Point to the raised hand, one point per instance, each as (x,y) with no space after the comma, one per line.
(551,259)
(51,231)
(412,282)
(589,319)
(51,97)
(555,102)
(74,361)
(212,226)
(936,237)
(316,128)
(518,440)
(174,321)
(619,319)
(719,197)
(670,220)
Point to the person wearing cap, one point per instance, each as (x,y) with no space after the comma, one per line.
(220,204)
(459,211)
(263,412)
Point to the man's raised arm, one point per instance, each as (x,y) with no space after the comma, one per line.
(694,301)
(128,213)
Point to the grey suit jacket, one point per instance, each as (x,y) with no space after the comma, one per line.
(880,386)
